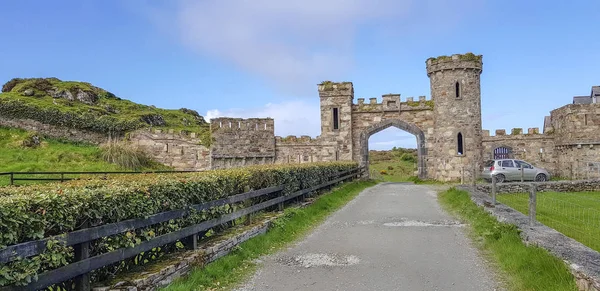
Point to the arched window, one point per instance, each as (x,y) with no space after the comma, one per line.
(459,143)
(457,89)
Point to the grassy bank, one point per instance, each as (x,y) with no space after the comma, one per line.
(232,269)
(576,215)
(52,155)
(522,267)
(396,165)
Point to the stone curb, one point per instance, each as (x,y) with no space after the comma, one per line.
(583,261)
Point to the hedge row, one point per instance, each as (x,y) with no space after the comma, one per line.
(34,212)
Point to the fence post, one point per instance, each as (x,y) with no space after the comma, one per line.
(474,174)
(532,204)
(522,174)
(12,178)
(62,177)
(82,252)
(493,190)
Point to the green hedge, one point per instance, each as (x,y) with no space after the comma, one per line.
(34,212)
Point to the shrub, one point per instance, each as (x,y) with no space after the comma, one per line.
(37,211)
(390,168)
(8,86)
(125,155)
(383,172)
(408,157)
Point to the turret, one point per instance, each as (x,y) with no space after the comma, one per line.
(456,92)
(336,117)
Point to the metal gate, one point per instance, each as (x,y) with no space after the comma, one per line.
(502,153)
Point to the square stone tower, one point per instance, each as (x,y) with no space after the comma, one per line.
(336,117)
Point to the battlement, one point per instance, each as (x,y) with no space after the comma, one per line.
(392,102)
(468,61)
(329,88)
(513,132)
(244,124)
(292,139)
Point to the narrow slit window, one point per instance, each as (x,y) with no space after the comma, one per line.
(457,88)
(459,141)
(336,123)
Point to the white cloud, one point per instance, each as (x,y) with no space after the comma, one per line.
(295,117)
(296,42)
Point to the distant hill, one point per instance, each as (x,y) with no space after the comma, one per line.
(80,105)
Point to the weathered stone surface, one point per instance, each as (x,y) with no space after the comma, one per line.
(28,92)
(153,119)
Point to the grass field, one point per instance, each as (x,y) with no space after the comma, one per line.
(230,270)
(51,155)
(576,215)
(396,165)
(521,267)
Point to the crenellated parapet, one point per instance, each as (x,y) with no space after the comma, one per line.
(242,124)
(392,102)
(292,139)
(468,61)
(518,131)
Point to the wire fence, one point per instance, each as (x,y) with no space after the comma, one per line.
(574,214)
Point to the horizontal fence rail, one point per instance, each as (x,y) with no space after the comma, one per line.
(18,176)
(82,238)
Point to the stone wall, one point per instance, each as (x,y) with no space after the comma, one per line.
(554,186)
(304,149)
(178,150)
(337,97)
(576,124)
(533,147)
(55,131)
(240,142)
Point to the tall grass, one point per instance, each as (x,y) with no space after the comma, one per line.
(523,267)
(125,155)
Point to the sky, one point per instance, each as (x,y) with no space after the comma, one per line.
(264,58)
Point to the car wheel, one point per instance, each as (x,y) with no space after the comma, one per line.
(500,178)
(541,178)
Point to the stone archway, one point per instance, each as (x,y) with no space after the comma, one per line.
(403,125)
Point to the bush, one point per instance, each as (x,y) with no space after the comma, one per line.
(34,212)
(126,155)
(409,157)
(390,168)
(8,86)
(383,172)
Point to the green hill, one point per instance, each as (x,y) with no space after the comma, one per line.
(83,106)
(396,165)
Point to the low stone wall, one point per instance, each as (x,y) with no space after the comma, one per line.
(54,131)
(580,259)
(181,264)
(558,186)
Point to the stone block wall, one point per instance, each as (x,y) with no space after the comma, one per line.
(241,142)
(55,131)
(576,123)
(554,186)
(178,150)
(304,149)
(533,147)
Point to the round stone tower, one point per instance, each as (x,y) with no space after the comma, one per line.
(456,94)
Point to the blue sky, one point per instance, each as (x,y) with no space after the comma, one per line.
(263,58)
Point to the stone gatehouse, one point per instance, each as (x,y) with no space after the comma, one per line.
(447,128)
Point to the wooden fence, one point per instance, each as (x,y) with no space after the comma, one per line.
(67,176)
(83,264)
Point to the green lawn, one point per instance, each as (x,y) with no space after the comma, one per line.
(576,215)
(230,270)
(52,155)
(521,267)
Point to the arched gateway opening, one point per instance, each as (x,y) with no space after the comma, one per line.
(410,128)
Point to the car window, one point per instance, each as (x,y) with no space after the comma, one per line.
(525,165)
(508,163)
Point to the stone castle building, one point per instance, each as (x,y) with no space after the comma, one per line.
(447,127)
